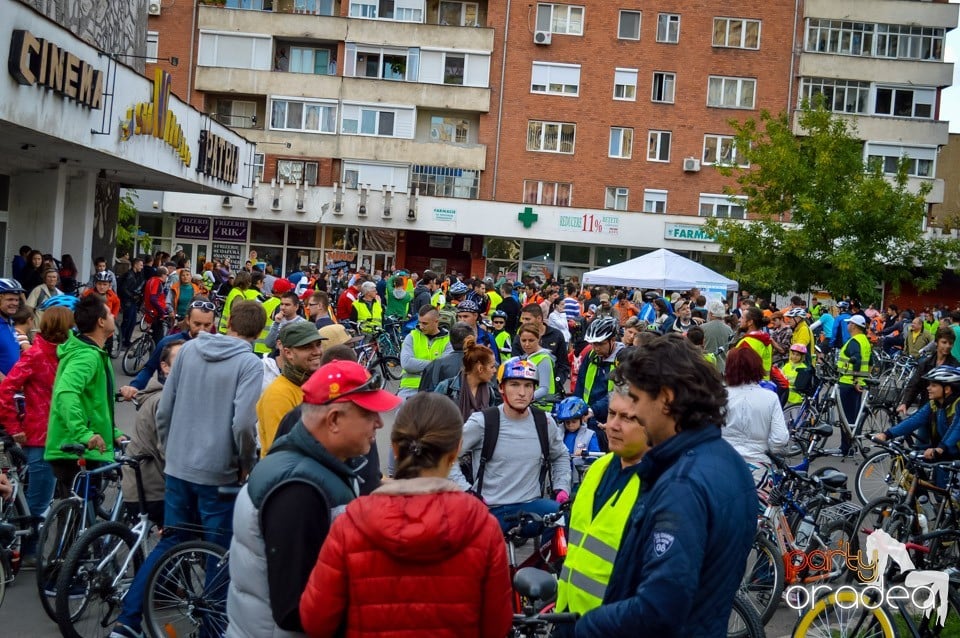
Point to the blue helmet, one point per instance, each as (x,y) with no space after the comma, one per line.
(458,288)
(64,301)
(11,286)
(517,368)
(571,408)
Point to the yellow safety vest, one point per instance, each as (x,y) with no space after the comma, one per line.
(592,377)
(437,299)
(790,371)
(495,301)
(225,316)
(423,348)
(802,334)
(764,350)
(536,358)
(367,319)
(502,340)
(270,306)
(843,362)
(931,326)
(593,542)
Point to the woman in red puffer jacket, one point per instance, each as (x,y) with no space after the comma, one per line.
(418,557)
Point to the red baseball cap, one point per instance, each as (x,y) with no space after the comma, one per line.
(348,381)
(281,286)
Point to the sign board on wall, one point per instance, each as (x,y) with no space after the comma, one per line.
(218,158)
(444,214)
(687,232)
(229,229)
(37,61)
(227,251)
(594,223)
(441,241)
(190,227)
(155,119)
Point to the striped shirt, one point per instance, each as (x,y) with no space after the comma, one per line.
(571,307)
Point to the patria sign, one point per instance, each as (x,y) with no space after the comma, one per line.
(156,119)
(34,61)
(218,158)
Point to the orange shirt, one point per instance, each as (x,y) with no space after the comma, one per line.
(113,301)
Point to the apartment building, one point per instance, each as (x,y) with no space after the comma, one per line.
(536,138)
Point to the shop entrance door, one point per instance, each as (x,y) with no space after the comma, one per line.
(196,253)
(374,261)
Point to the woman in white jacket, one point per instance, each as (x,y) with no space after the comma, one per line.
(755,420)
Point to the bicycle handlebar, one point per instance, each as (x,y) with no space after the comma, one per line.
(545,618)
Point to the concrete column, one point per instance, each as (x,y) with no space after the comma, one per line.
(77,230)
(37,202)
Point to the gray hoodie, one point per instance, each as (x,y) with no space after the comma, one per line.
(207,420)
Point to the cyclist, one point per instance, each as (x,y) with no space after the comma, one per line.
(101,286)
(523,452)
(797,319)
(367,311)
(594,376)
(469,313)
(501,336)
(529,339)
(448,304)
(426,342)
(155,303)
(853,363)
(11,295)
(937,423)
(572,414)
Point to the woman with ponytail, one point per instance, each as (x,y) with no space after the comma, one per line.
(418,556)
(474,388)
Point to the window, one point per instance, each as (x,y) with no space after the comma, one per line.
(291,171)
(459,14)
(441,181)
(376,176)
(452,130)
(616,198)
(400,10)
(305,60)
(909,42)
(153,46)
(901,102)
(835,36)
(658,146)
(258,161)
(663,87)
(237,113)
(235,51)
(256,5)
(551,137)
(731,93)
(315,7)
(560,18)
(736,33)
(722,206)
(625,85)
(382,63)
(720,149)
(621,142)
(839,96)
(555,79)
(547,193)
(920,161)
(629,28)
(310,116)
(897,41)
(654,201)
(668,28)
(453,68)
(361,119)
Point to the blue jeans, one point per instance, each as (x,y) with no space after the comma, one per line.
(184,503)
(129,322)
(39,490)
(539,506)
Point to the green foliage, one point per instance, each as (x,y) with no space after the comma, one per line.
(849,228)
(127,226)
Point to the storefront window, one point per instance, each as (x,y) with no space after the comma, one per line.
(300,258)
(575,254)
(272,255)
(151,225)
(379,239)
(265,233)
(341,238)
(608,256)
(538,251)
(497,248)
(639,252)
(306,235)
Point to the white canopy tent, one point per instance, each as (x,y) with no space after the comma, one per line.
(662,270)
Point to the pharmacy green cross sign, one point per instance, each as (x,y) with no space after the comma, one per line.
(528,217)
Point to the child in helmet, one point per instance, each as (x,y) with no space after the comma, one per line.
(797,372)
(572,414)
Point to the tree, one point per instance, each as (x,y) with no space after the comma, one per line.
(848,227)
(127,229)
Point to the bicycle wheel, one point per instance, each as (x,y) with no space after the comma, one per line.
(187,592)
(872,517)
(837,535)
(845,613)
(877,419)
(876,476)
(136,356)
(792,414)
(93,579)
(744,621)
(930,626)
(390,368)
(763,580)
(59,531)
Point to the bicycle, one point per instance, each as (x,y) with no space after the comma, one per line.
(545,557)
(137,355)
(14,512)
(370,355)
(531,584)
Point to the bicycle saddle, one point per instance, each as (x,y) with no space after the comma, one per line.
(833,478)
(74,448)
(535,583)
(823,429)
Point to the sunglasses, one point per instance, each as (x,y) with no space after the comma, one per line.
(373,384)
(209,306)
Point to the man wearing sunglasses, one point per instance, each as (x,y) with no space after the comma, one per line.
(285,510)
(199,319)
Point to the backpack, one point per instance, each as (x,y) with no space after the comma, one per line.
(448,316)
(491,433)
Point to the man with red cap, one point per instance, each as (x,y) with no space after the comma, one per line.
(285,510)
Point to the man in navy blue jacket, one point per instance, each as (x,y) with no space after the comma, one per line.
(685,545)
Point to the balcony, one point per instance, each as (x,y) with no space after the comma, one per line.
(907,12)
(894,130)
(886,71)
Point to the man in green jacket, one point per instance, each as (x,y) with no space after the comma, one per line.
(81,409)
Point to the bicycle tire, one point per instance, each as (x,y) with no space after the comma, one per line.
(136,356)
(57,534)
(180,596)
(845,609)
(87,601)
(930,626)
(876,476)
(871,517)
(17,514)
(791,414)
(744,621)
(763,579)
(879,418)
(5,575)
(391,368)
(836,533)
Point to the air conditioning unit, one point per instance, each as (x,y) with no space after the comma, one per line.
(691,165)
(153,7)
(542,37)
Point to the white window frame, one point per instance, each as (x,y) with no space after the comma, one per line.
(928,97)
(540,192)
(667,77)
(463,13)
(259,160)
(622,78)
(742,44)
(653,199)
(370,10)
(740,83)
(890,154)
(721,140)
(656,143)
(622,138)
(307,169)
(153,46)
(261,51)
(726,204)
(291,48)
(449,123)
(668,28)
(305,103)
(616,198)
(244,119)
(557,68)
(411,55)
(378,110)
(631,12)
(543,138)
(843,89)
(553,9)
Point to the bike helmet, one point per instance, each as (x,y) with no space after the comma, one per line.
(650,295)
(64,301)
(797,313)
(498,314)
(843,305)
(571,408)
(468,305)
(946,375)
(11,286)
(517,368)
(101,276)
(458,288)
(601,330)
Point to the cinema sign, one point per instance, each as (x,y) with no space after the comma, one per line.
(35,61)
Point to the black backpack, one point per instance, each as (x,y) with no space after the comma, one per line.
(491,433)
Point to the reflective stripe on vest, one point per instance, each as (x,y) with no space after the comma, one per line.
(536,358)
(843,362)
(367,319)
(765,351)
(592,543)
(270,306)
(423,349)
(591,377)
(790,371)
(225,315)
(502,339)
